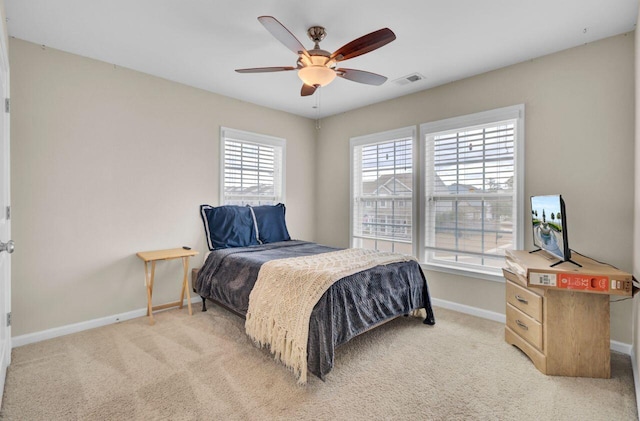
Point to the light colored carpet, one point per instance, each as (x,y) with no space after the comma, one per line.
(205,368)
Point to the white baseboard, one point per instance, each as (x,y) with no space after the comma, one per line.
(474,311)
(501,318)
(30,338)
(621,347)
(636,377)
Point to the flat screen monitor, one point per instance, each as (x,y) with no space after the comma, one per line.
(549,222)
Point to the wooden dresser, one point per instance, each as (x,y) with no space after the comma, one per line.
(564,333)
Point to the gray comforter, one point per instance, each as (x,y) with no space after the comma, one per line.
(352,305)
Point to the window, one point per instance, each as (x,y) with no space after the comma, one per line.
(472,189)
(252,168)
(382,191)
(454,198)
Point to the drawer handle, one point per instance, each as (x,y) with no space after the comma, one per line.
(522,325)
(522,300)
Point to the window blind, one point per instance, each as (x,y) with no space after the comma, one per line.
(252,171)
(470,195)
(382,209)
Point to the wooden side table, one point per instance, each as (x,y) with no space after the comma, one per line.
(559,316)
(564,333)
(153,257)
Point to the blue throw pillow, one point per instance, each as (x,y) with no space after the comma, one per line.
(228,226)
(271,225)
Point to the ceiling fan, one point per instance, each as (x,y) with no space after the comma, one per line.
(318,67)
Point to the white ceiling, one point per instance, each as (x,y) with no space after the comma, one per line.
(200,42)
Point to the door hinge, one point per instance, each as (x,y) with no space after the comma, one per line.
(7,105)
(8,319)
(8,212)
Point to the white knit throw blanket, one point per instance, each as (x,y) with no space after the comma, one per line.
(286,292)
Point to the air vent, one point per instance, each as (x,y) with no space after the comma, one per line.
(412,78)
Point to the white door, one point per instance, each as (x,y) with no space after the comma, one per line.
(6,245)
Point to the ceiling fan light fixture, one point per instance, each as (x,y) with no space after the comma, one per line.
(316,75)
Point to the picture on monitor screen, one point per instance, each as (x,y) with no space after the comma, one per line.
(547,213)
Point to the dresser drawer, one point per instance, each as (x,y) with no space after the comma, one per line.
(524,300)
(524,326)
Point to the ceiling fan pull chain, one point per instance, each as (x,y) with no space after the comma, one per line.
(319,90)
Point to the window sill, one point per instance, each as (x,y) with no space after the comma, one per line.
(486,275)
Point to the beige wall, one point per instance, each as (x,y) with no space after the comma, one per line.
(107,162)
(579,142)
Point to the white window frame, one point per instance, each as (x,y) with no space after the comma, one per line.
(279,145)
(515,112)
(382,137)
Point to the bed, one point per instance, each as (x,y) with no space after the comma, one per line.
(348,307)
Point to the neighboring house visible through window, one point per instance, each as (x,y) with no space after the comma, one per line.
(381,189)
(466,209)
(252,168)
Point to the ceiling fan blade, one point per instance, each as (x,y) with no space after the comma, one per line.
(282,34)
(364,44)
(361,76)
(307,90)
(266,69)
